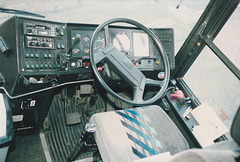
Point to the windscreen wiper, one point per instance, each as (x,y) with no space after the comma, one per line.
(21,12)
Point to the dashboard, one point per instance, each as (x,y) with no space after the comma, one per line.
(44,54)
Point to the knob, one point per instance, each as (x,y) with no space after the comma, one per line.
(29,30)
(76,38)
(44,45)
(65,58)
(79,63)
(38,44)
(31,43)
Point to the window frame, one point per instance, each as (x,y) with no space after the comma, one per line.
(206,29)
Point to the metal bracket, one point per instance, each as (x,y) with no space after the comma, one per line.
(222,57)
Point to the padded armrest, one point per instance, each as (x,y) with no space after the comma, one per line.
(235,131)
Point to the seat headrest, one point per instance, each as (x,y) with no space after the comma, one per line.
(235,129)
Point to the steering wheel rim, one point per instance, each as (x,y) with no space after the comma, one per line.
(163,84)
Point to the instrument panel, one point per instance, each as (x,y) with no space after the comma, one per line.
(134,43)
(47,54)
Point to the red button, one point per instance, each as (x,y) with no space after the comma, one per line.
(86,63)
(99,68)
(136,64)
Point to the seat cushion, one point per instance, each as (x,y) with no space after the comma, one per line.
(128,135)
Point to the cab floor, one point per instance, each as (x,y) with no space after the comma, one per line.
(27,148)
(60,137)
(57,139)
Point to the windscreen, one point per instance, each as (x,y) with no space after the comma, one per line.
(141,44)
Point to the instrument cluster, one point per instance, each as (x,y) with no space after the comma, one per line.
(134,43)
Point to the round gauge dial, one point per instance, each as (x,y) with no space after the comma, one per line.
(122,42)
(99,44)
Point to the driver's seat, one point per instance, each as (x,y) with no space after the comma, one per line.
(127,135)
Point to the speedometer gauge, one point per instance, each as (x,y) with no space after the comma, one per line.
(122,42)
(99,44)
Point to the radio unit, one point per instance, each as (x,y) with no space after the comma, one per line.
(38,29)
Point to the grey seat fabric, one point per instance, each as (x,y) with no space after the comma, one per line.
(221,151)
(127,135)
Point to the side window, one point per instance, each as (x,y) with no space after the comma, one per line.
(210,79)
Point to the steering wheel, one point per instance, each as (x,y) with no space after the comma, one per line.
(125,68)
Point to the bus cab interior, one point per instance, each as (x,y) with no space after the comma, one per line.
(118,90)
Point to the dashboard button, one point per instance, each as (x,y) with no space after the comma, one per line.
(86,63)
(61,32)
(100,69)
(28,66)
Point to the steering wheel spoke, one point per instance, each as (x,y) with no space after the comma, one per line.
(106,34)
(99,56)
(137,94)
(152,82)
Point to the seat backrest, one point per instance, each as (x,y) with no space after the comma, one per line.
(220,151)
(235,129)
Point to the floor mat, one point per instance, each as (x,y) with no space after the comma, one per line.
(27,148)
(61,138)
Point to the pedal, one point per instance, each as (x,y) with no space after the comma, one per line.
(85,89)
(73,118)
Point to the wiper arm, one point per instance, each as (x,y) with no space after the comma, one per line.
(21,12)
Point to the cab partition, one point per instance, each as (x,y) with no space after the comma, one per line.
(6,125)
